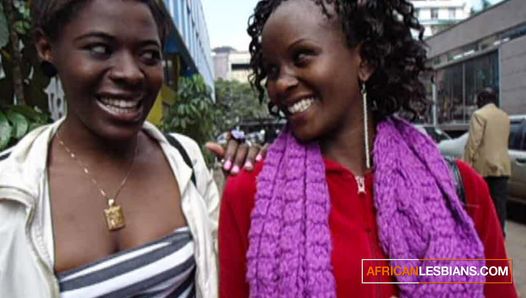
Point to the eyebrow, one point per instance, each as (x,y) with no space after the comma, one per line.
(103,35)
(97,34)
(296,42)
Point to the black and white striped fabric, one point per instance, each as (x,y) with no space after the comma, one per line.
(164,268)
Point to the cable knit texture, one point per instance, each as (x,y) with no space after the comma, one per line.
(418,212)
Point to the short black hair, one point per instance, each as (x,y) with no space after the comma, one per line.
(485,96)
(384,28)
(51,16)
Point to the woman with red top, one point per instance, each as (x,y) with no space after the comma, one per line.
(348,180)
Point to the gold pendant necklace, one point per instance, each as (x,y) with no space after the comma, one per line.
(114,214)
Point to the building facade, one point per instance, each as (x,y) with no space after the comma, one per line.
(230,64)
(436,15)
(486,50)
(190,41)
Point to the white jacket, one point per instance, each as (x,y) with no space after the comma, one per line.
(26,233)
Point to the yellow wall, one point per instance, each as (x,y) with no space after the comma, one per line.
(166,97)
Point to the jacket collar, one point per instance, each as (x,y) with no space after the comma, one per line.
(181,170)
(27,163)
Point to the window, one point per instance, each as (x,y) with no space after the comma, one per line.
(434,13)
(240,66)
(452,14)
(458,84)
(480,72)
(450,94)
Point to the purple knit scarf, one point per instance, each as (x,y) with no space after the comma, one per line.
(419,216)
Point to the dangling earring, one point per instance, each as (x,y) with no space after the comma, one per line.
(48,68)
(363,91)
(273,109)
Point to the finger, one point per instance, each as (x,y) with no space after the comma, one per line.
(250,161)
(262,153)
(230,152)
(239,158)
(216,149)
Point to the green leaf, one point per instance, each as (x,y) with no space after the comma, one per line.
(31,114)
(5,131)
(33,125)
(19,123)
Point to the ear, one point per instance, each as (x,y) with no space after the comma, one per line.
(43,46)
(365,69)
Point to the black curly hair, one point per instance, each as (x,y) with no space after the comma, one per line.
(384,29)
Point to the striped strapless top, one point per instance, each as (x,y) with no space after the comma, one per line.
(163,268)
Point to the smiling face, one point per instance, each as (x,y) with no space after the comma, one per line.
(312,74)
(108,58)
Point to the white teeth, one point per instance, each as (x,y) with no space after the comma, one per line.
(301,106)
(119,105)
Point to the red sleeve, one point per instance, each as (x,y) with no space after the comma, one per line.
(234,224)
(480,208)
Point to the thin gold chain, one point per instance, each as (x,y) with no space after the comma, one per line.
(84,168)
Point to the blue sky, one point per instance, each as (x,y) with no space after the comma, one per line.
(227,21)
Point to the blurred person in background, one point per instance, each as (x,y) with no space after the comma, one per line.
(487,148)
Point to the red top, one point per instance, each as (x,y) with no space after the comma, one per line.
(353,231)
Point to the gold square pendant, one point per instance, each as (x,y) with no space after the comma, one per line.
(114,217)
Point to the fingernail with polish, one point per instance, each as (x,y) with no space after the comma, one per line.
(227,165)
(259,157)
(248,165)
(235,169)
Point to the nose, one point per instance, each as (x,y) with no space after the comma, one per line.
(285,83)
(126,70)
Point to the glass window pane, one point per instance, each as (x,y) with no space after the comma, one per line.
(449,94)
(481,72)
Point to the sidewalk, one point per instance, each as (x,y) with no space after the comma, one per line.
(516,245)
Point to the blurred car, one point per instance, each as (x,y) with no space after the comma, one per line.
(222,139)
(255,137)
(434,132)
(516,149)
(454,147)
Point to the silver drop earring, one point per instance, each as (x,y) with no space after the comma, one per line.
(363,91)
